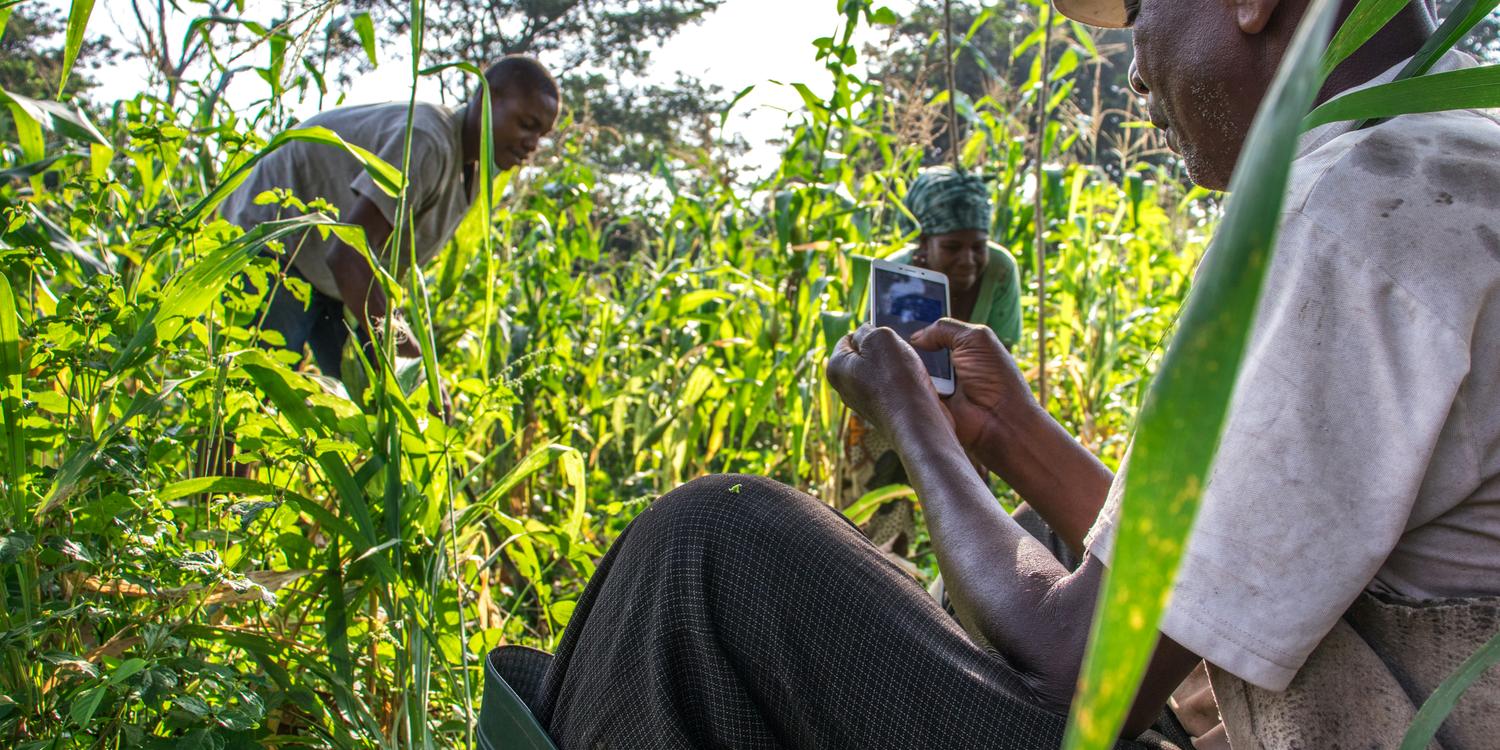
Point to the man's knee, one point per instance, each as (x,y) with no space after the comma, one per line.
(733,507)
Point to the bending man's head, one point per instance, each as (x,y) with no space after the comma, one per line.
(1205,65)
(525,101)
(952,210)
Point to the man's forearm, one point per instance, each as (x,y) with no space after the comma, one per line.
(1004,584)
(356,283)
(1057,477)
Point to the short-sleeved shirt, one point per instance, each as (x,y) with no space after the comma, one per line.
(437,197)
(999,302)
(1362,448)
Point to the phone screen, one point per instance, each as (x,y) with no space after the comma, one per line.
(907,304)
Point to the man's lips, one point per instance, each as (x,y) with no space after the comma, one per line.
(1160,121)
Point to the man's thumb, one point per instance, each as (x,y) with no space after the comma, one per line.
(940,335)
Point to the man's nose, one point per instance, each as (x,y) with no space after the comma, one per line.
(1137,83)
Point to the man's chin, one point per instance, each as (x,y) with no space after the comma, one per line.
(1204,175)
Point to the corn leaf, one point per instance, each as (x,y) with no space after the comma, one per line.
(241,486)
(78,21)
(1465,15)
(33,117)
(28,120)
(1183,415)
(11,395)
(388,178)
(1367,19)
(1425,726)
(864,508)
(1466,88)
(366,30)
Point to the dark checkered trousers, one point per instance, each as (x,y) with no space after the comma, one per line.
(738,613)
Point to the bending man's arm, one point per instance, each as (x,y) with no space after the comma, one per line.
(356,280)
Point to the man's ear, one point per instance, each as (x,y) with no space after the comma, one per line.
(1253,15)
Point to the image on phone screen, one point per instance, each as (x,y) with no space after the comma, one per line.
(907,304)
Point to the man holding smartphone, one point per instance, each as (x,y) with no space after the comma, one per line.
(950,213)
(1358,472)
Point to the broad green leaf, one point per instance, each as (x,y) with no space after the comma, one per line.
(1367,19)
(11,396)
(127,669)
(190,293)
(28,119)
(884,16)
(366,30)
(388,178)
(1466,88)
(1440,704)
(1183,415)
(5,17)
(251,487)
(78,21)
(83,707)
(572,464)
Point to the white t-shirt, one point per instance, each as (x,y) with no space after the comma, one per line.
(436,196)
(1362,448)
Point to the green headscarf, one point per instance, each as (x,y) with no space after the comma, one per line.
(946,201)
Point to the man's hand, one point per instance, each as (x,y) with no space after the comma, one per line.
(881,378)
(401,333)
(988,385)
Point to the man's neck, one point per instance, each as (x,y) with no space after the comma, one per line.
(1399,40)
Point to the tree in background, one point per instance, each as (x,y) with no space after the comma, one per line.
(31,56)
(601,50)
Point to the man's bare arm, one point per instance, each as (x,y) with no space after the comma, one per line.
(356,280)
(1005,585)
(999,421)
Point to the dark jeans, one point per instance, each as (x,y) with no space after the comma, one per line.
(319,326)
(738,613)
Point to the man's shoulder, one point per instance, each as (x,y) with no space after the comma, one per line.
(373,121)
(1413,196)
(1419,163)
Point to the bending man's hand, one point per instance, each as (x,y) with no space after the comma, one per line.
(881,378)
(988,385)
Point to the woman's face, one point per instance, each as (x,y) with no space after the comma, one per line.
(958,255)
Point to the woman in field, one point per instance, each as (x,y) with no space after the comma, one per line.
(952,211)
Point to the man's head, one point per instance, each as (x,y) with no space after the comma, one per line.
(1205,66)
(952,210)
(524,105)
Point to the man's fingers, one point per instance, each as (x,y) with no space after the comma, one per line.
(944,334)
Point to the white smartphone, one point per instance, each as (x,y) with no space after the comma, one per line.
(907,299)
